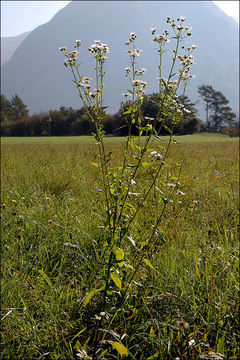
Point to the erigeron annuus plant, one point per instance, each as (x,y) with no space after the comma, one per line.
(123,252)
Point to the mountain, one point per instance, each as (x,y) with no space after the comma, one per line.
(9,45)
(37,74)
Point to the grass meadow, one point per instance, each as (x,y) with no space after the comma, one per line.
(52,212)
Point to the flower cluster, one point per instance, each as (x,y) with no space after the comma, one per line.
(140,87)
(179,27)
(71,57)
(84,83)
(126,95)
(131,39)
(134,53)
(168,84)
(161,38)
(138,84)
(186,61)
(78,43)
(154,155)
(127,69)
(140,72)
(178,108)
(99,50)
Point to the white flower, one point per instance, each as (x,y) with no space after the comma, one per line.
(155,155)
(106,49)
(148,118)
(132,34)
(135,54)
(133,182)
(136,82)
(63,48)
(182,18)
(180,192)
(74,54)
(191,342)
(87,79)
(161,38)
(170,185)
(81,354)
(139,83)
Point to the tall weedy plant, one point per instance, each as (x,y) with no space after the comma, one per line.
(134,191)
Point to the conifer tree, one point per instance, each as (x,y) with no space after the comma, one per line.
(218,113)
(19,107)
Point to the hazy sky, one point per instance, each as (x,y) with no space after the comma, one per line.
(18,17)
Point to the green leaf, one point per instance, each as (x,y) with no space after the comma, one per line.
(119,253)
(152,332)
(145,164)
(95,164)
(121,349)
(175,141)
(158,138)
(90,296)
(155,356)
(80,332)
(130,206)
(167,128)
(116,279)
(149,264)
(220,344)
(102,354)
(46,278)
(142,244)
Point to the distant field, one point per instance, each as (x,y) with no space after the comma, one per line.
(196,138)
(52,228)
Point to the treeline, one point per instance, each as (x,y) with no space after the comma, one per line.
(15,120)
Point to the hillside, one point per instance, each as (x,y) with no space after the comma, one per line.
(9,45)
(37,74)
